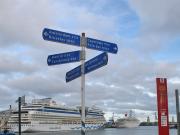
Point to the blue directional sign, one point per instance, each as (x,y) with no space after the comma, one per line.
(63,58)
(62,37)
(101,45)
(91,65)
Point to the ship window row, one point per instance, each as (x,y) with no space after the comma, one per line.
(27,125)
(41,121)
(65,109)
(36,118)
(53,117)
(79,122)
(47,112)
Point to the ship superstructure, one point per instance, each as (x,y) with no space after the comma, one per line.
(46,115)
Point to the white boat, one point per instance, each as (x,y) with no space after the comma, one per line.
(128,121)
(45,115)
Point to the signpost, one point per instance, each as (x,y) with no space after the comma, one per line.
(63,58)
(101,45)
(85,67)
(61,37)
(162,102)
(91,65)
(19,114)
(177,111)
(83,44)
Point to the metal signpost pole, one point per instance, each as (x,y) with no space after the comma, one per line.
(19,104)
(177,111)
(83,44)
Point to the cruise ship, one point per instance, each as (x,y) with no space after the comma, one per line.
(45,115)
(129,121)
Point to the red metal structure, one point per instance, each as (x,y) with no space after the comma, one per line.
(162,104)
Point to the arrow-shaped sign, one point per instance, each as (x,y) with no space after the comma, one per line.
(63,58)
(91,65)
(101,45)
(72,39)
(61,37)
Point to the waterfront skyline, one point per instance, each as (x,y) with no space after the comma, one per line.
(146,32)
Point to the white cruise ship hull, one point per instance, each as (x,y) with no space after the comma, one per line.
(54,127)
(127,123)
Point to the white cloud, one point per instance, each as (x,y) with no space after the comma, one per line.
(22,21)
(160,23)
(150,94)
(139,87)
(175,80)
(158,15)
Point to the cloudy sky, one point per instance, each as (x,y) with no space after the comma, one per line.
(147,34)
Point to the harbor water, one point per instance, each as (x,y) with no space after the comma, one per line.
(111,131)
